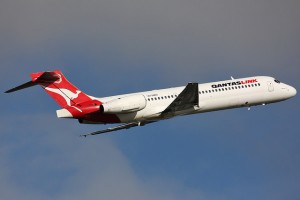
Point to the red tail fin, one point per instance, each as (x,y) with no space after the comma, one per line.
(75,103)
(59,88)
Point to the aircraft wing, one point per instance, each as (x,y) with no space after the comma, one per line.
(187,99)
(120,127)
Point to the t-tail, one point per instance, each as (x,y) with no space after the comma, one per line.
(74,102)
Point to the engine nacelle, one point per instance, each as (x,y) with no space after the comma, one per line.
(126,104)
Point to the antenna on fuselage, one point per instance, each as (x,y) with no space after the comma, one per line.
(231,78)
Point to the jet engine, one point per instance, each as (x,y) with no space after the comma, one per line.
(127,104)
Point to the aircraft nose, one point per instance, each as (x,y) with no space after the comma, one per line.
(292,91)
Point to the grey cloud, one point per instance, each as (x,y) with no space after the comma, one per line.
(184,39)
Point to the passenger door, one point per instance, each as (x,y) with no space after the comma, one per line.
(270,86)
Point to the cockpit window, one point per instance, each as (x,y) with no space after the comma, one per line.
(277,81)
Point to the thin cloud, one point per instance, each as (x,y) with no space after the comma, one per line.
(55,164)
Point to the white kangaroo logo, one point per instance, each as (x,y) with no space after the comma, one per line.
(66,94)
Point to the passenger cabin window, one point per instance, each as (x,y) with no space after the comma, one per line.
(231,88)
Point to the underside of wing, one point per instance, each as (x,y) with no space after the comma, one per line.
(187,99)
(120,127)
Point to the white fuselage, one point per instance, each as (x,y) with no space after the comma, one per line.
(139,109)
(213,96)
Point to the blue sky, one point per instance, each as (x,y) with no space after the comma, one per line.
(112,47)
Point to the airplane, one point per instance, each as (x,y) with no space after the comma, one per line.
(141,108)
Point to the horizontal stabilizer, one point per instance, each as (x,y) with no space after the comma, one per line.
(37,78)
(23,86)
(45,77)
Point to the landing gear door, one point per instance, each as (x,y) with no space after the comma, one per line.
(270,86)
